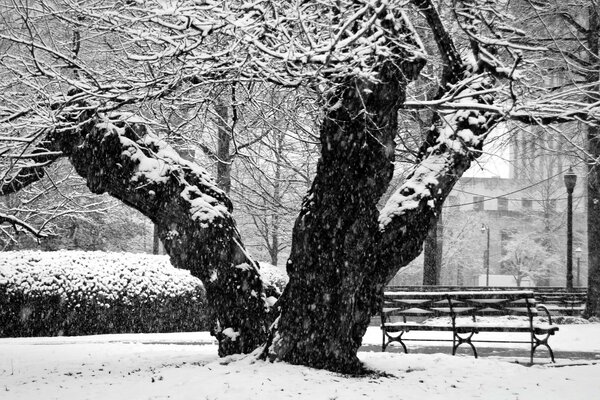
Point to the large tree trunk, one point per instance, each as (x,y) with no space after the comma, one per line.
(192,215)
(326,306)
(593,190)
(343,251)
(432,255)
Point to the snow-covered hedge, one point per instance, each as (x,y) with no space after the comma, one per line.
(273,275)
(76,292)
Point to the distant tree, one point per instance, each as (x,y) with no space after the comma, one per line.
(68,216)
(271,176)
(568,35)
(462,257)
(526,258)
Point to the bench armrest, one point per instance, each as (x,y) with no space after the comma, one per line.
(545,309)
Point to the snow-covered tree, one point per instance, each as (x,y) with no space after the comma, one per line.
(526,258)
(78,93)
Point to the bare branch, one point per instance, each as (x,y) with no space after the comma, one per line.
(16,222)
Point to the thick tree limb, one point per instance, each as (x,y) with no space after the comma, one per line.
(446,154)
(193,218)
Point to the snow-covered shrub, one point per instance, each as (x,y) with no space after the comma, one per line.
(76,292)
(273,275)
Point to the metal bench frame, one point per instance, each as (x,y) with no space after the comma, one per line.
(464,303)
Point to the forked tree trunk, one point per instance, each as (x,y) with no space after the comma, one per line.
(327,304)
(343,251)
(192,215)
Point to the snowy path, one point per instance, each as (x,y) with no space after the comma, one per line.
(185,366)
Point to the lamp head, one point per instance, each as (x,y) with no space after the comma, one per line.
(570,180)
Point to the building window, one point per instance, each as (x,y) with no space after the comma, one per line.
(505,236)
(527,204)
(502,204)
(478,203)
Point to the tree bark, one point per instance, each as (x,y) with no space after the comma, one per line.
(192,216)
(274,247)
(327,304)
(432,255)
(224,158)
(593,191)
(343,251)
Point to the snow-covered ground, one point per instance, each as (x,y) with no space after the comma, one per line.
(185,366)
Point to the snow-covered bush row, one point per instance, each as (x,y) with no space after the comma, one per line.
(273,275)
(76,292)
(103,276)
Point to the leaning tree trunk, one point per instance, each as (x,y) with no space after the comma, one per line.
(192,214)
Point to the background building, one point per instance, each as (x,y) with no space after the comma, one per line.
(520,197)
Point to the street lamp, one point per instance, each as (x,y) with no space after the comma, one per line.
(486,254)
(570,181)
(578,257)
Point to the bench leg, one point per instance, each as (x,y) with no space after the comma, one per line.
(537,342)
(458,340)
(398,339)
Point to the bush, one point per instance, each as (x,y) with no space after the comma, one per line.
(273,275)
(83,293)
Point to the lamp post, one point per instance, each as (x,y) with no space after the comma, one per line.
(570,181)
(578,257)
(486,254)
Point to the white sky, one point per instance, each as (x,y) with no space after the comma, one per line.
(495,160)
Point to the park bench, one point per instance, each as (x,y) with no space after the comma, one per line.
(558,300)
(562,302)
(465,314)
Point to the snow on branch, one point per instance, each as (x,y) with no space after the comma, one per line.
(16,222)
(287,42)
(406,217)
(145,167)
(23,162)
